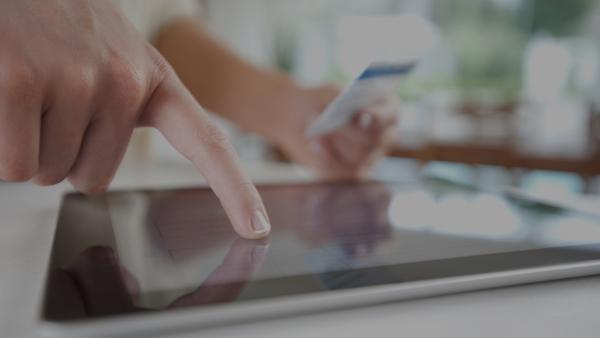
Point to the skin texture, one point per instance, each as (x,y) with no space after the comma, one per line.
(76,79)
(271,104)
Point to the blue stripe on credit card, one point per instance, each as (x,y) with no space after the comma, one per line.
(384,70)
(378,80)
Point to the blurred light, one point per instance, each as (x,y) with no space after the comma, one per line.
(547,68)
(482,216)
(412,210)
(572,231)
(586,70)
(479,216)
(398,38)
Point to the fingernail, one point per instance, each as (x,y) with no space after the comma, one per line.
(260,224)
(365,121)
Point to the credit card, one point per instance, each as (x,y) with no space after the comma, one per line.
(378,81)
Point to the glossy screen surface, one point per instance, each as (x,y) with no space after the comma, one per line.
(138,251)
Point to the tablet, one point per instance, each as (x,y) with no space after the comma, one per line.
(155,262)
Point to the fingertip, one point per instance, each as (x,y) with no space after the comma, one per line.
(248,219)
(261,226)
(88,189)
(244,208)
(46,180)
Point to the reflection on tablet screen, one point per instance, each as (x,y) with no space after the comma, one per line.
(156,250)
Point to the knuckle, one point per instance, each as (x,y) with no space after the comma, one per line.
(127,84)
(162,68)
(215,139)
(81,82)
(48,179)
(89,188)
(17,81)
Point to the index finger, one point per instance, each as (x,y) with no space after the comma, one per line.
(176,114)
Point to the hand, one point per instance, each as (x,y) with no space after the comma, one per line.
(76,79)
(347,153)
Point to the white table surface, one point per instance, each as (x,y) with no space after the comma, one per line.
(556,309)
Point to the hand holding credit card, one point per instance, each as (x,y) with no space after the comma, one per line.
(378,81)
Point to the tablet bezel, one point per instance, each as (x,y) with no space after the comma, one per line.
(219,315)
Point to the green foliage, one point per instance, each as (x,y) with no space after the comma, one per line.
(487,41)
(557,17)
(488,38)
(489,56)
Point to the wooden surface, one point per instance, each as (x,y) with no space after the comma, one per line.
(510,149)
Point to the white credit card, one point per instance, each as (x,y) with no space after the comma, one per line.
(378,81)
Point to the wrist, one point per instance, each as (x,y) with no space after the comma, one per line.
(280,99)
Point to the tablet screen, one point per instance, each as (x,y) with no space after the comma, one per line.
(137,251)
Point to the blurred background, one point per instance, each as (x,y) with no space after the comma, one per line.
(506,91)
